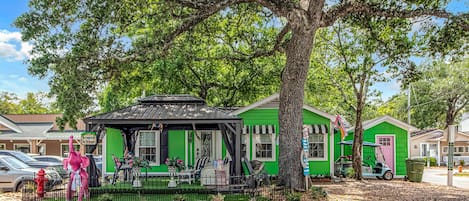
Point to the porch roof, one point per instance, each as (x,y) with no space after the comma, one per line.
(175,108)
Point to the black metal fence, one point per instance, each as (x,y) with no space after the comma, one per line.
(162,188)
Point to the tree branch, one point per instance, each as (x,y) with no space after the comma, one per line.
(347,8)
(203,13)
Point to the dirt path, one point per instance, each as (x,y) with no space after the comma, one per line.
(10,196)
(391,190)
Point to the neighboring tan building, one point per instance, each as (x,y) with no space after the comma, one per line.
(37,134)
(434,143)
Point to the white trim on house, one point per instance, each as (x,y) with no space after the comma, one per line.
(326,146)
(157,146)
(256,139)
(61,148)
(9,124)
(275,96)
(331,151)
(16,144)
(394,142)
(373,122)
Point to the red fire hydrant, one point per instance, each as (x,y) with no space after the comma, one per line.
(40,181)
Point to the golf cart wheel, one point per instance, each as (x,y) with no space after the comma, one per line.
(388,175)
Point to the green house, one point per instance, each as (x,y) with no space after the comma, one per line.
(260,135)
(394,137)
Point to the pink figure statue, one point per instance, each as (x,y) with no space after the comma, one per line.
(76,165)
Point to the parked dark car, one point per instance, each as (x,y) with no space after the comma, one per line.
(14,175)
(99,163)
(35,163)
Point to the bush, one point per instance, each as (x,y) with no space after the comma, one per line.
(350,172)
(432,161)
(106,197)
(461,162)
(179,197)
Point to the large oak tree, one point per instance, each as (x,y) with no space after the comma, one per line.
(85,44)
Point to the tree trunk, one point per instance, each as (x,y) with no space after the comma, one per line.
(298,53)
(450,112)
(358,141)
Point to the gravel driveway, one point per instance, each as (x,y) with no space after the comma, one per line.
(391,190)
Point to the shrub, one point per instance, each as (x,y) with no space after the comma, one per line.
(106,197)
(461,162)
(179,197)
(432,161)
(217,197)
(349,172)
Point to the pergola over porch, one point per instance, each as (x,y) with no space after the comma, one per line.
(172,112)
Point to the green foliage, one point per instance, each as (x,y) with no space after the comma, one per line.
(432,161)
(34,103)
(317,193)
(179,197)
(262,198)
(293,196)
(106,197)
(217,197)
(350,172)
(461,162)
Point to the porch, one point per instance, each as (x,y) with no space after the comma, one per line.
(166,126)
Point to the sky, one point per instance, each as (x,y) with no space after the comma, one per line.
(14,75)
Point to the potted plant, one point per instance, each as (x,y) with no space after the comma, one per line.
(461,164)
(174,165)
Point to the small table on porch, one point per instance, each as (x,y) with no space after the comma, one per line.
(186,176)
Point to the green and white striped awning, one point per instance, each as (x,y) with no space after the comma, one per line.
(263,129)
(317,128)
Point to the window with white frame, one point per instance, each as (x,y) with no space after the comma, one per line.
(64,149)
(317,146)
(460,149)
(264,142)
(148,146)
(317,141)
(25,148)
(245,142)
(467,149)
(3,146)
(423,149)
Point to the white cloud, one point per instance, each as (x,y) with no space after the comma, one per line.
(22,79)
(12,48)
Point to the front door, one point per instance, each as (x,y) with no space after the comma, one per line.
(387,147)
(207,144)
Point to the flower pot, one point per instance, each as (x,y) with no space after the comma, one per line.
(460,168)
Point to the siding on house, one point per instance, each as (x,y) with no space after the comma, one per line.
(269,116)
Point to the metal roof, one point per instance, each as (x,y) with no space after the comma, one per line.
(165,107)
(30,131)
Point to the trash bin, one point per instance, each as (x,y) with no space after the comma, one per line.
(415,169)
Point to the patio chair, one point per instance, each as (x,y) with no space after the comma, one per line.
(120,166)
(197,168)
(256,174)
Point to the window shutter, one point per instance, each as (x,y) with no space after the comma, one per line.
(163,146)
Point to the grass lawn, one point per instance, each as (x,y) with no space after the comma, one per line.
(151,183)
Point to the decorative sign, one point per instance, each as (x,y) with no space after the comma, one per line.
(305,154)
(88,138)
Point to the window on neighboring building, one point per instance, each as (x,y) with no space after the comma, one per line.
(3,146)
(264,142)
(148,146)
(445,149)
(25,148)
(460,149)
(423,149)
(64,148)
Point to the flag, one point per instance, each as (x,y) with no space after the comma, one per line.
(340,125)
